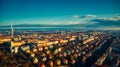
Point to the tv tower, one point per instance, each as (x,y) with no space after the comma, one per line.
(12,35)
(12,31)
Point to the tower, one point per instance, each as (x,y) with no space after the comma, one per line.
(12,31)
(12,35)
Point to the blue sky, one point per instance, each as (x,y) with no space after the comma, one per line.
(59,12)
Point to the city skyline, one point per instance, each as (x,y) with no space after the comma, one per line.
(59,33)
(99,13)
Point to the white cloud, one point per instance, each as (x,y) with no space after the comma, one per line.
(111,21)
(76,16)
(85,16)
(72,22)
(66,23)
(116,18)
(90,15)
